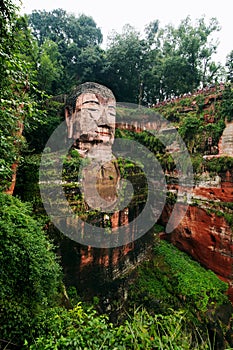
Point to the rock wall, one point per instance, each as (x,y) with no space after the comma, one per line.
(205,233)
(226,141)
(102,272)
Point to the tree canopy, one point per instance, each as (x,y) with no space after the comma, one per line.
(138,67)
(68,49)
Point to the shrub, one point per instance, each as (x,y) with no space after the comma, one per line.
(30,275)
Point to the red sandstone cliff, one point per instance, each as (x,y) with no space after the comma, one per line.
(204,232)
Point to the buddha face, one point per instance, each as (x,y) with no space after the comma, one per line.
(93,120)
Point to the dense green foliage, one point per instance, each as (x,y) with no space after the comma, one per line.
(229,66)
(18,95)
(200,117)
(163,62)
(171,278)
(198,286)
(168,281)
(219,165)
(30,275)
(68,50)
(82,329)
(227,104)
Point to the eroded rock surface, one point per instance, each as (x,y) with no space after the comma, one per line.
(206,231)
(226,141)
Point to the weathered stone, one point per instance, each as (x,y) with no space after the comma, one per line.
(90,115)
(90,118)
(204,232)
(226,141)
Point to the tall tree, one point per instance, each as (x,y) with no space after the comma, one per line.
(195,46)
(76,38)
(49,68)
(59,26)
(126,60)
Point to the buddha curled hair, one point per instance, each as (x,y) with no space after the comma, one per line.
(88,87)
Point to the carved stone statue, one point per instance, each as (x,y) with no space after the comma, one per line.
(90,118)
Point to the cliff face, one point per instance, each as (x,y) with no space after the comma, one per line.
(102,272)
(206,230)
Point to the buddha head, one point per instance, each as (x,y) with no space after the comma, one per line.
(90,116)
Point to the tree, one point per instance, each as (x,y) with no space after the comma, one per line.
(168,61)
(151,31)
(125,58)
(177,76)
(190,129)
(77,41)
(90,65)
(194,47)
(227,103)
(49,68)
(59,26)
(229,66)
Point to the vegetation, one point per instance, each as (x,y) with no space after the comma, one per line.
(67,49)
(229,65)
(185,278)
(30,273)
(151,321)
(219,165)
(171,280)
(164,62)
(227,105)
(173,300)
(83,329)
(17,104)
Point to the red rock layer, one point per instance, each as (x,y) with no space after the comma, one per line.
(207,237)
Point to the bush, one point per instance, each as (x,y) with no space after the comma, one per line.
(219,165)
(82,329)
(30,275)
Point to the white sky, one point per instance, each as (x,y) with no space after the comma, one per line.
(110,15)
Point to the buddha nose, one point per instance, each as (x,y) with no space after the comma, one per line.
(103,120)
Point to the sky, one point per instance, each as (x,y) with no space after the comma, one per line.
(113,15)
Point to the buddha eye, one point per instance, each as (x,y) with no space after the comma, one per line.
(91,105)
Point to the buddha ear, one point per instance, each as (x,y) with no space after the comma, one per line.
(67,111)
(69,122)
